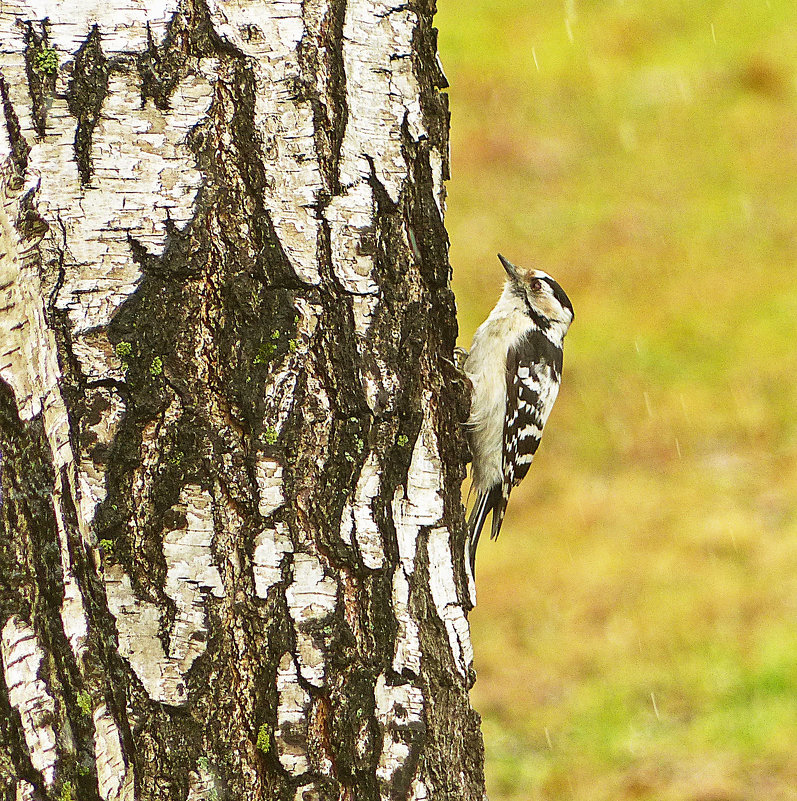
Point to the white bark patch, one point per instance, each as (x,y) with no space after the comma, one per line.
(29,364)
(268,474)
(309,792)
(307,323)
(421,504)
(419,791)
(399,709)
(113,777)
(27,693)
(347,525)
(73,610)
(271,545)
(292,706)
(144,175)
(124,28)
(358,515)
(381,92)
(436,164)
(28,355)
(446,600)
(350,217)
(377,43)
(312,597)
(381,386)
(363,743)
(95,352)
(91,488)
(270,33)
(138,623)
(273,542)
(190,574)
(469,574)
(138,626)
(363,308)
(143,171)
(24,791)
(407,655)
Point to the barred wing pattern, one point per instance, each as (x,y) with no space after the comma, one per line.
(533,372)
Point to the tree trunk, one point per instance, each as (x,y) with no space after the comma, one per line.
(231,557)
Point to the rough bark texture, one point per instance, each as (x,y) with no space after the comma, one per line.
(231,557)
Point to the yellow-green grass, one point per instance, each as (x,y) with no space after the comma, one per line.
(636,632)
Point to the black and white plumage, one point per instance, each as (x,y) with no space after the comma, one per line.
(515,366)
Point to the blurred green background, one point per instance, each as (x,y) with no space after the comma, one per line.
(636,632)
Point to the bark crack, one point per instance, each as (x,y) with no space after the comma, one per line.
(85,96)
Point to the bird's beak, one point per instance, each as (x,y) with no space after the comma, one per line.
(510,268)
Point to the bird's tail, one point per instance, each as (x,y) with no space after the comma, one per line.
(499,507)
(486,501)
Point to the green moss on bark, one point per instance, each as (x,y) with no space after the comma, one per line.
(41,67)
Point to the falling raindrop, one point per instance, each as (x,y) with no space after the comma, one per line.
(683,406)
(655,708)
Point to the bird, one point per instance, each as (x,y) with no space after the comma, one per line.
(514,366)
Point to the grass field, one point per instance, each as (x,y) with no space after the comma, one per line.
(636,633)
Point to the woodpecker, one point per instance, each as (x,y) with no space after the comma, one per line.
(515,365)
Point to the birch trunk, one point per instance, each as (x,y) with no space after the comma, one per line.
(231,557)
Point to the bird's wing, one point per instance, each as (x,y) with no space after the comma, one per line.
(532,383)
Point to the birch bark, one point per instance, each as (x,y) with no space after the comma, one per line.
(231,556)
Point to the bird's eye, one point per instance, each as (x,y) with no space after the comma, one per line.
(535,285)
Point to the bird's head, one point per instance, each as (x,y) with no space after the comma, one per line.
(541,294)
